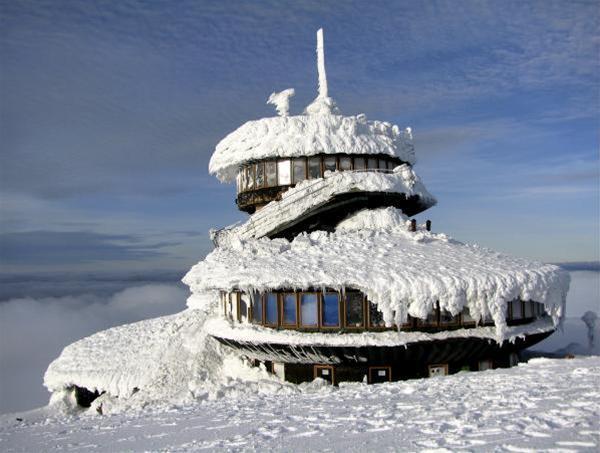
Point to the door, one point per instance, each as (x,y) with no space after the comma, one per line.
(324,372)
(378,374)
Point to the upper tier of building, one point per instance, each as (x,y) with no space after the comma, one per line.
(307,135)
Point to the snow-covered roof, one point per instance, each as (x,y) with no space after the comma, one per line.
(312,194)
(402,272)
(306,135)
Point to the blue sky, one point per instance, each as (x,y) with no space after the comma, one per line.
(109,112)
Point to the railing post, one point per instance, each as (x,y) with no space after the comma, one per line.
(428,225)
(413,226)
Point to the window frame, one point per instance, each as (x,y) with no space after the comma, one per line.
(364,314)
(300,321)
(260,164)
(282,310)
(304,165)
(373,368)
(321,310)
(329,367)
(370,326)
(264,308)
(289,161)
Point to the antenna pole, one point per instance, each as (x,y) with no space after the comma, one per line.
(321,65)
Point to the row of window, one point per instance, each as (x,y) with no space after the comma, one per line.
(285,172)
(332,310)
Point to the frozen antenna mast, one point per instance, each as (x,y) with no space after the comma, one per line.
(321,65)
(323,104)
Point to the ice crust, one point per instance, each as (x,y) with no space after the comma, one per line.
(400,271)
(307,135)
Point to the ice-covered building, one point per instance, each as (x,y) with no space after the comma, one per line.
(330,278)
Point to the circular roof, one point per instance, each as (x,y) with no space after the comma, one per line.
(322,132)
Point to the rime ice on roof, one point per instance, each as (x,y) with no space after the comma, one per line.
(321,129)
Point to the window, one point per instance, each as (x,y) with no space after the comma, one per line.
(517,309)
(289,309)
(375,316)
(238,182)
(250,177)
(243,178)
(271,309)
(314,167)
(330,311)
(271,173)
(260,175)
(391,165)
(308,309)
(257,314)
(371,163)
(299,170)
(359,163)
(354,309)
(528,309)
(243,303)
(284,176)
(466,317)
(329,164)
(447,318)
(345,163)
(324,372)
(382,164)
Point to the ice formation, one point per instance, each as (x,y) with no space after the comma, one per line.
(404,273)
(307,135)
(373,250)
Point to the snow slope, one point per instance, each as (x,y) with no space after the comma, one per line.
(400,271)
(307,135)
(544,405)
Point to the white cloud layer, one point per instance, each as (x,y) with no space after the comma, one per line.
(33,331)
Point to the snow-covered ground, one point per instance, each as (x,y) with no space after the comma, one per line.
(544,405)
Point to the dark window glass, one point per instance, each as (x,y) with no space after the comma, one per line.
(359,163)
(260,175)
(308,309)
(329,163)
(466,316)
(299,170)
(314,167)
(271,308)
(517,309)
(271,173)
(371,163)
(391,165)
(432,317)
(375,316)
(345,163)
(446,317)
(243,315)
(382,164)
(289,309)
(257,309)
(354,309)
(331,310)
(528,309)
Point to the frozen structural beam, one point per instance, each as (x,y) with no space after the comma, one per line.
(321,65)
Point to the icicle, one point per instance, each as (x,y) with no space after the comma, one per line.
(321,65)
